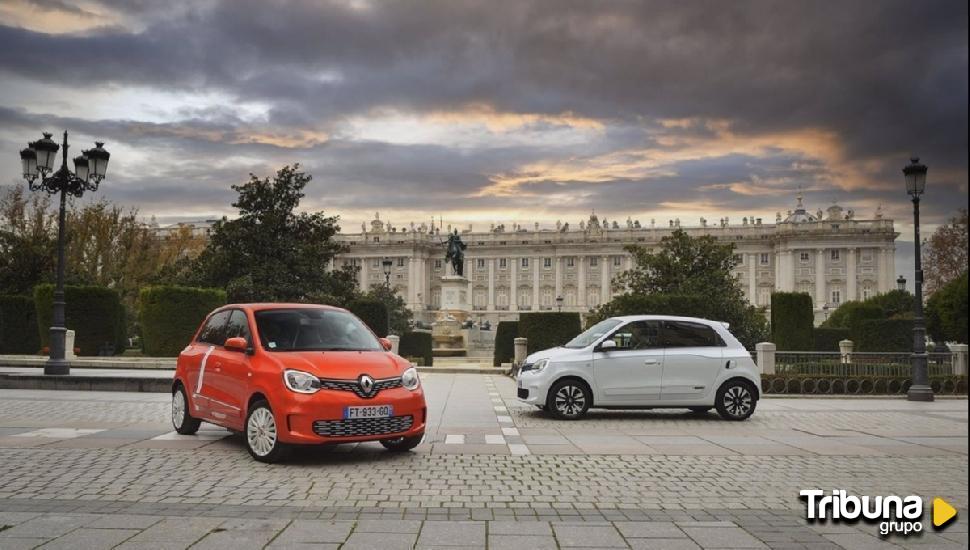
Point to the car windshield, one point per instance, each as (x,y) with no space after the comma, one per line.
(313,330)
(593,333)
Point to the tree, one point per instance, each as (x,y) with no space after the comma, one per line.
(695,266)
(28,241)
(271,252)
(895,304)
(945,254)
(400,315)
(946,312)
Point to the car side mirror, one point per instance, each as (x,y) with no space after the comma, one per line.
(607,345)
(236,344)
(386,344)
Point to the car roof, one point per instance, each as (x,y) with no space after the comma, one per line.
(627,318)
(262,306)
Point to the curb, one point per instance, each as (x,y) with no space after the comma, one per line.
(85,383)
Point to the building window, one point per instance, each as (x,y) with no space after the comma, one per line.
(866,256)
(400,262)
(804,257)
(867,292)
(547,263)
(594,261)
(376,263)
(836,296)
(525,263)
(617,261)
(739,259)
(570,262)
(765,259)
(835,254)
(764,296)
(503,263)
(480,263)
(437,264)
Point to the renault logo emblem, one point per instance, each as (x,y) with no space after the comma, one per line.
(366,384)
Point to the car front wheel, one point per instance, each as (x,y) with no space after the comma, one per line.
(736,400)
(262,437)
(568,399)
(183,421)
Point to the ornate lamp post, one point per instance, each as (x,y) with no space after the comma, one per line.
(901,283)
(559,301)
(387,264)
(89,169)
(920,389)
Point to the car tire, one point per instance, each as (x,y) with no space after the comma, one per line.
(700,410)
(182,419)
(261,434)
(736,400)
(402,444)
(568,399)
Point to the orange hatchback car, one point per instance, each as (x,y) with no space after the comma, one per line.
(288,374)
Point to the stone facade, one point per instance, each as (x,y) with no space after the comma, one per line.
(832,256)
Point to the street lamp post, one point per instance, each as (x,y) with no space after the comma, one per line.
(387,264)
(89,169)
(920,389)
(901,283)
(559,301)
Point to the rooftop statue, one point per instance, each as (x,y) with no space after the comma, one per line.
(455,253)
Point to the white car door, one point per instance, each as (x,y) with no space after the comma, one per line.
(693,353)
(630,374)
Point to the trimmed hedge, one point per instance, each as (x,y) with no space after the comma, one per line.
(946,312)
(373,313)
(792,321)
(856,385)
(548,330)
(18,325)
(883,335)
(827,339)
(170,315)
(94,313)
(416,345)
(505,334)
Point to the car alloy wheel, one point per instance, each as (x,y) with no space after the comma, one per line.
(261,431)
(178,408)
(736,401)
(182,420)
(568,400)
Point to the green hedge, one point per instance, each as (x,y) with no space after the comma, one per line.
(18,325)
(170,315)
(371,312)
(548,330)
(94,313)
(883,335)
(827,339)
(946,312)
(417,345)
(856,385)
(792,321)
(505,334)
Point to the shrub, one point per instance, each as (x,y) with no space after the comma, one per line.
(373,313)
(792,321)
(827,339)
(417,345)
(946,312)
(548,330)
(505,334)
(170,315)
(18,325)
(92,312)
(863,312)
(883,335)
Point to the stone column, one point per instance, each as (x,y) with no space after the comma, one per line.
(820,298)
(521,350)
(959,354)
(363,274)
(766,357)
(753,278)
(513,284)
(536,276)
(412,282)
(605,279)
(491,284)
(850,274)
(395,342)
(845,351)
(581,281)
(470,275)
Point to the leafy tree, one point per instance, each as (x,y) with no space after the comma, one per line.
(396,306)
(695,266)
(271,252)
(946,312)
(945,254)
(896,304)
(28,240)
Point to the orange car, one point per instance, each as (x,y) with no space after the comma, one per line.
(296,374)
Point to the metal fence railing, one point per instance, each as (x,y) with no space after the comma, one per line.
(820,363)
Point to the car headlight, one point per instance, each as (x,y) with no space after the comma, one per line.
(539,365)
(301,382)
(410,379)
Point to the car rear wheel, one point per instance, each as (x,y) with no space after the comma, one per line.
(262,437)
(568,399)
(736,400)
(183,421)
(402,444)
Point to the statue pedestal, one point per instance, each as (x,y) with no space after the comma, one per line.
(447,337)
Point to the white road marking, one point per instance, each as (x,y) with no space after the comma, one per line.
(202,435)
(455,439)
(59,433)
(494,439)
(510,431)
(504,419)
(519,449)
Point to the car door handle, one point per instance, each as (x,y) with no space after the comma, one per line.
(650,362)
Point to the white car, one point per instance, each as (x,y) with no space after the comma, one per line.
(644,361)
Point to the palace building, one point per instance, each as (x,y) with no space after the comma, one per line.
(833,256)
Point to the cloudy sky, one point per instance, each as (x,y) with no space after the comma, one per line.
(493,111)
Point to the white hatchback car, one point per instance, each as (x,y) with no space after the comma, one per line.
(645,362)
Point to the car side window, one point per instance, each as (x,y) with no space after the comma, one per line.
(638,335)
(238,326)
(684,334)
(214,331)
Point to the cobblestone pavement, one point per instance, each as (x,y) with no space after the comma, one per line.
(104,470)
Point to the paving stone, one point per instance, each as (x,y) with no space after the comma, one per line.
(723,537)
(90,539)
(522,542)
(383,541)
(586,535)
(445,533)
(388,526)
(315,532)
(649,529)
(503,527)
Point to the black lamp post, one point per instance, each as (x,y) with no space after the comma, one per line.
(89,169)
(559,301)
(901,283)
(920,389)
(387,264)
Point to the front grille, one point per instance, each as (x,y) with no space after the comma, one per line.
(354,386)
(523,393)
(363,426)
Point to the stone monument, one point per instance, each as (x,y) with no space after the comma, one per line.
(447,337)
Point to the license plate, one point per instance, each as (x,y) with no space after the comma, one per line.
(375,411)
